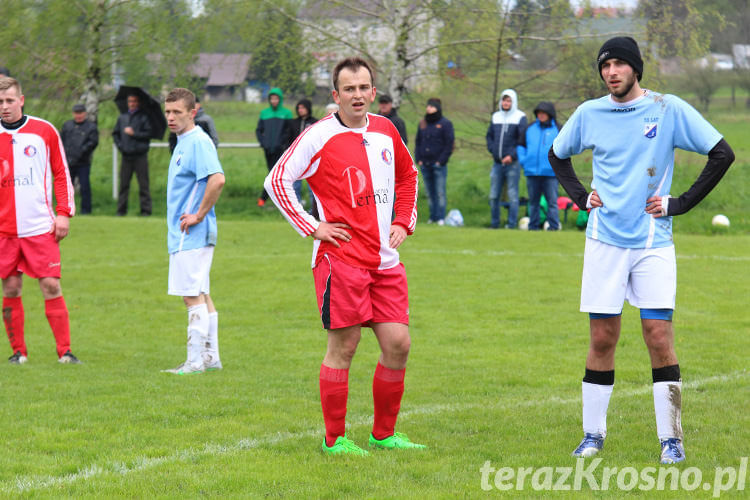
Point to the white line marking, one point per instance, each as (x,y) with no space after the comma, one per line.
(511,253)
(25,484)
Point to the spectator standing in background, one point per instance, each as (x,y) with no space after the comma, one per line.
(385,108)
(540,178)
(505,133)
(80,137)
(434,146)
(274,131)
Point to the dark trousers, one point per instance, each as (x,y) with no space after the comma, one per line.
(81,172)
(139,165)
(271,159)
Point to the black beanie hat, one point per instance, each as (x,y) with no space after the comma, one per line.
(623,48)
(434,101)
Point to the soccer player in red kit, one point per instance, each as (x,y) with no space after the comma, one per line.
(365,184)
(31,156)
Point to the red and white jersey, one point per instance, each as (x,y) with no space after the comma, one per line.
(363,177)
(31,156)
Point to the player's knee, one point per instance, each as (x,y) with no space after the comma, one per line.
(50,287)
(345,351)
(11,291)
(603,342)
(658,335)
(659,341)
(402,346)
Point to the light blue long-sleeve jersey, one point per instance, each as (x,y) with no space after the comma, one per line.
(633,159)
(193,160)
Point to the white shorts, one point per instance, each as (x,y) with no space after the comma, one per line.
(646,277)
(189,270)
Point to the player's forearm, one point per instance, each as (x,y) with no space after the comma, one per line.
(213,190)
(568,178)
(719,160)
(281,191)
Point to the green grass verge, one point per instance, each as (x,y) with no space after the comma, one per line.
(494,373)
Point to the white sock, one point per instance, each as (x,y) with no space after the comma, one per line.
(668,409)
(211,348)
(595,403)
(197,333)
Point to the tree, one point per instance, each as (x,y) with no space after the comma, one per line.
(397,36)
(71,50)
(280,55)
(702,81)
(735,18)
(676,28)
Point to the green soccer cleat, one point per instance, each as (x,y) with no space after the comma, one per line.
(399,440)
(343,446)
(185,369)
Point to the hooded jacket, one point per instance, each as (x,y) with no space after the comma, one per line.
(507,129)
(299,124)
(274,130)
(539,137)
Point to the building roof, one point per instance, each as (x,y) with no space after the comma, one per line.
(221,69)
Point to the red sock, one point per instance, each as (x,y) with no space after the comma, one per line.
(13,319)
(57,316)
(334,389)
(387,389)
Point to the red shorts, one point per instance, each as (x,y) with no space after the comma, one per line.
(349,296)
(36,256)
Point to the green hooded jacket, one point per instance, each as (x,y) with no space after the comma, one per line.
(274,130)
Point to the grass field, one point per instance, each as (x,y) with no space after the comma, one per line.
(494,373)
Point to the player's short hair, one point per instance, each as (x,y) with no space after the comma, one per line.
(352,64)
(7,82)
(184,95)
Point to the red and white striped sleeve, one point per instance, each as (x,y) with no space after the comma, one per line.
(406,184)
(64,192)
(298,161)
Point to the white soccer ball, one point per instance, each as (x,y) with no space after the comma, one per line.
(720,220)
(523,224)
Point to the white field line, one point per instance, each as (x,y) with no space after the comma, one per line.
(511,253)
(26,484)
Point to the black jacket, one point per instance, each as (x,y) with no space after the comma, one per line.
(137,144)
(79,140)
(399,124)
(299,124)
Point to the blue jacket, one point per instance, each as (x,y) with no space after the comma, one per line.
(434,142)
(533,156)
(506,130)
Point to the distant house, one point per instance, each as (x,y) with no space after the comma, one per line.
(225,74)
(721,62)
(372,36)
(741,55)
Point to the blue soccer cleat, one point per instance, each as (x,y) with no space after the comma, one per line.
(672,451)
(590,445)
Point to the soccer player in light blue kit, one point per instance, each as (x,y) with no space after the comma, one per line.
(629,252)
(194,183)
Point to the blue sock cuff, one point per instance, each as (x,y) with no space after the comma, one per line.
(664,314)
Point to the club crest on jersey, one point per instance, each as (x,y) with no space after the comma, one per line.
(29,151)
(650,130)
(387,156)
(179,160)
